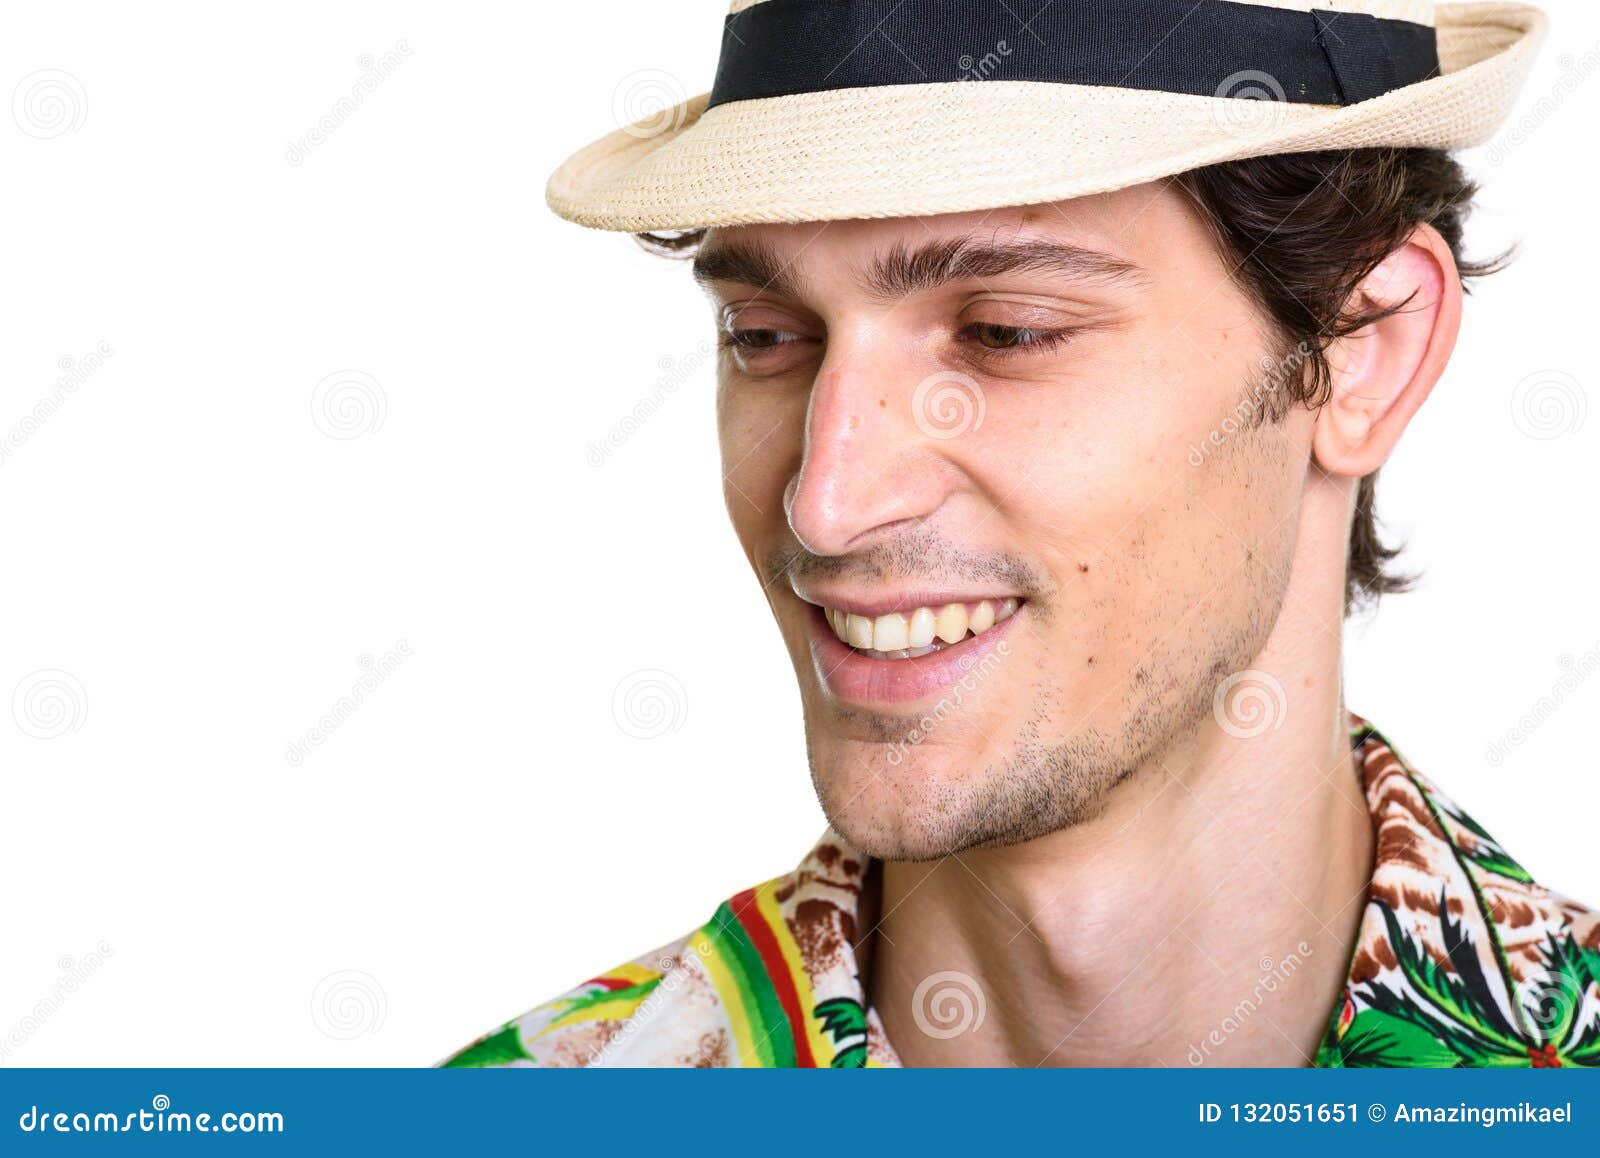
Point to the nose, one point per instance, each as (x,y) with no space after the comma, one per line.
(867,465)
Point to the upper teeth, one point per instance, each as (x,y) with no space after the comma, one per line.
(915,631)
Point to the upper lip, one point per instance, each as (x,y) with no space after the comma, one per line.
(870,604)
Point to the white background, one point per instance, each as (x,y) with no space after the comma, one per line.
(198,565)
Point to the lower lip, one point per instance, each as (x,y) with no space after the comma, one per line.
(860,679)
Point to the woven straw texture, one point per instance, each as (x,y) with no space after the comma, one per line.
(923,149)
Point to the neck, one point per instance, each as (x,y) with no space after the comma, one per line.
(1206,918)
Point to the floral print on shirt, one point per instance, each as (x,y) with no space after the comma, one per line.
(1461,960)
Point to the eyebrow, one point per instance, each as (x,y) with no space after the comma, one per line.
(746,264)
(901,270)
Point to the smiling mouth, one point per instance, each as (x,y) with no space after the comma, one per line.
(917,631)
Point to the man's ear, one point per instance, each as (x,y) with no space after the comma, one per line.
(1385,371)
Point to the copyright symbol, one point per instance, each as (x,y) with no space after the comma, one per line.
(1376,1112)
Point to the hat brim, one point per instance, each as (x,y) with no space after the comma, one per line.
(923,149)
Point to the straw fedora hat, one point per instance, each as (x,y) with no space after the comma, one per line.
(832,109)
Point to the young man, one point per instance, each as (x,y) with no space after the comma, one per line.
(1055,374)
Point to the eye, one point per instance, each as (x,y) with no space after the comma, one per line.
(1003,338)
(758,339)
(765,342)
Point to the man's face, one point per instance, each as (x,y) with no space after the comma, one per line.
(1000,455)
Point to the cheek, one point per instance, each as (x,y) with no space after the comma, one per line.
(759,434)
(1099,450)
(1209,562)
(1142,541)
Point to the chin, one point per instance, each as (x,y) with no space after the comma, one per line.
(932,800)
(906,805)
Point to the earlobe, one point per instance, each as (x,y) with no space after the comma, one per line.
(1384,372)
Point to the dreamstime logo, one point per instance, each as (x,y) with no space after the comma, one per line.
(1252,101)
(674,373)
(74,373)
(648,103)
(911,142)
(1549,404)
(1257,405)
(1574,672)
(985,66)
(49,104)
(374,671)
(75,971)
(374,71)
(349,1004)
(1551,1001)
(948,1004)
(948,404)
(674,973)
(348,404)
(49,703)
(648,704)
(1272,975)
(1574,71)
(972,676)
(1249,703)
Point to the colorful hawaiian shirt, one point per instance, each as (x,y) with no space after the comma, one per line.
(1461,960)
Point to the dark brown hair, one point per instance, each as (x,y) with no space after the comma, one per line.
(1301,231)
